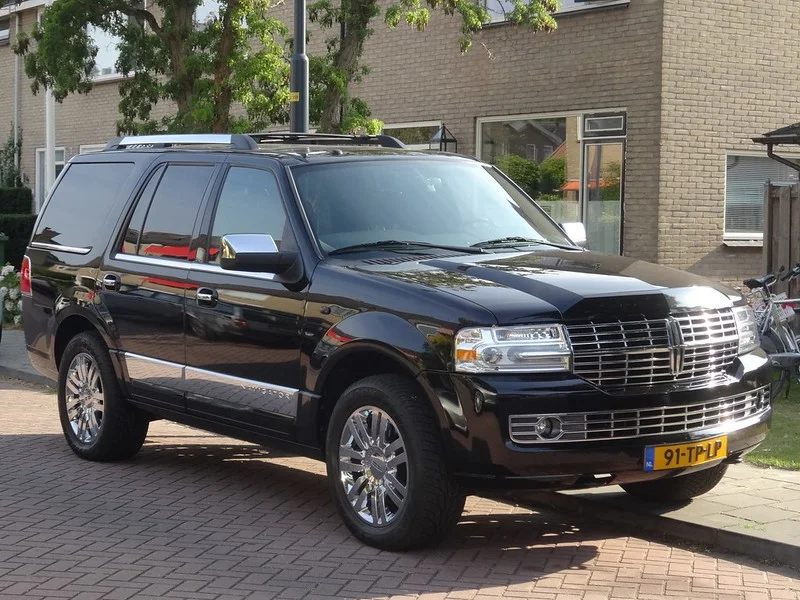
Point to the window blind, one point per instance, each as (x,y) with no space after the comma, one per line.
(744,190)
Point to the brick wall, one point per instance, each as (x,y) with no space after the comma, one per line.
(730,72)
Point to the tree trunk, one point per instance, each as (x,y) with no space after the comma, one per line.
(357,15)
(223,94)
(182,17)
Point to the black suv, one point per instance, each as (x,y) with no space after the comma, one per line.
(412,318)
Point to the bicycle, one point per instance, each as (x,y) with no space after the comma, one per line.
(775,316)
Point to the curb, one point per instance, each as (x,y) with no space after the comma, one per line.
(641,522)
(25,376)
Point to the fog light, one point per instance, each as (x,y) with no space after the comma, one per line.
(478,402)
(548,428)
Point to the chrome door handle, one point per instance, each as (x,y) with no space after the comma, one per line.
(111,282)
(206,297)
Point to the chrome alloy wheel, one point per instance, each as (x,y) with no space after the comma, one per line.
(373,466)
(84,398)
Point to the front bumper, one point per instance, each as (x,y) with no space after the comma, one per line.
(482,451)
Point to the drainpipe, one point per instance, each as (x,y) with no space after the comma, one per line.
(16,95)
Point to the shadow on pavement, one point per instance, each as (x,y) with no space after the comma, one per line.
(240,511)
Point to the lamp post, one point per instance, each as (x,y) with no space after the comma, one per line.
(444,140)
(298,81)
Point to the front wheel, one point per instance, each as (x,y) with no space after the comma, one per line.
(678,489)
(386,469)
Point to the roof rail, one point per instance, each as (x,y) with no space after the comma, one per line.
(236,141)
(385,141)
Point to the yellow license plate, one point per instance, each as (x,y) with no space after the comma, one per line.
(678,456)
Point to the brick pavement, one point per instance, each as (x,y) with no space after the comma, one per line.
(199,516)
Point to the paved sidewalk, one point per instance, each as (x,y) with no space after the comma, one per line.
(202,517)
(14,358)
(754,511)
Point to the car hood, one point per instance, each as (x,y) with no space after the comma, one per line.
(556,284)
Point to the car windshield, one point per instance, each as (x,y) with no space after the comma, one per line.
(443,202)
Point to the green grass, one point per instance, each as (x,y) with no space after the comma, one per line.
(781,449)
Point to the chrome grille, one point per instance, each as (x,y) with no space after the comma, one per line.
(688,348)
(626,424)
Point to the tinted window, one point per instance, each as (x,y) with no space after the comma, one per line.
(130,243)
(250,202)
(77,211)
(167,230)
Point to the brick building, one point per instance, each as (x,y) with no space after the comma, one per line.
(639,114)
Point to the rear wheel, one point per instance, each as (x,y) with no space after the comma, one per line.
(678,489)
(98,422)
(386,469)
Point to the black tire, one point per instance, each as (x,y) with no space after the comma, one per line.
(434,501)
(678,489)
(122,427)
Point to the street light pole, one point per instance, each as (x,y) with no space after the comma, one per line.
(298,82)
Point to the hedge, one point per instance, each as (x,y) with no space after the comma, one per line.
(16,201)
(18,228)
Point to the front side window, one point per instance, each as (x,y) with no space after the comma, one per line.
(440,201)
(168,226)
(745,179)
(250,202)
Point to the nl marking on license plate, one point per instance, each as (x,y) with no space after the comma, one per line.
(676,456)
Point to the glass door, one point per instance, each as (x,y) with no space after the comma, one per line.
(602,195)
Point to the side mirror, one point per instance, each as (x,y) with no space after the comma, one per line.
(576,232)
(254,252)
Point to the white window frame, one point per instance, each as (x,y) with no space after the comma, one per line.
(740,239)
(89,148)
(406,124)
(5,40)
(38,196)
(580,7)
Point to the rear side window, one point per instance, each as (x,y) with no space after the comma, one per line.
(167,229)
(76,213)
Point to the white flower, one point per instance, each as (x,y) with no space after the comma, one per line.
(13,293)
(6,270)
(9,306)
(19,306)
(17,319)
(3,292)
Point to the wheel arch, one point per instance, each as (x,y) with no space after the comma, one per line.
(72,322)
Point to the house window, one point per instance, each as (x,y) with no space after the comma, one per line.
(745,178)
(40,193)
(107,52)
(415,136)
(571,176)
(499,10)
(5,32)
(207,10)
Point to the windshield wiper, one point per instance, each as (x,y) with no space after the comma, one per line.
(515,240)
(403,244)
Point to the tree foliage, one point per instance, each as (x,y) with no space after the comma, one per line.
(201,70)
(10,159)
(524,172)
(355,19)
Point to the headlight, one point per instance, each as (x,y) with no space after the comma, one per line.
(524,349)
(746,326)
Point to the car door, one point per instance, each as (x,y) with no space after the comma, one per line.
(243,328)
(144,280)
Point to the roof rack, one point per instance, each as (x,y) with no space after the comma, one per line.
(236,141)
(385,141)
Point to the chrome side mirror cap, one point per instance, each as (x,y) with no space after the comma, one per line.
(576,231)
(254,252)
